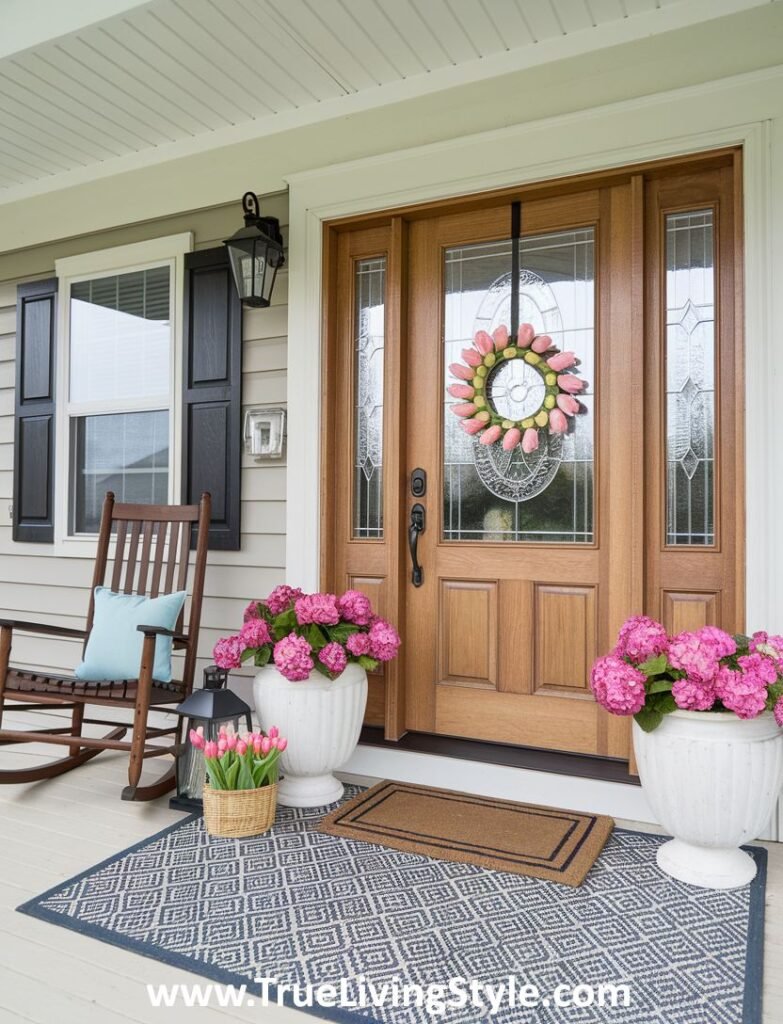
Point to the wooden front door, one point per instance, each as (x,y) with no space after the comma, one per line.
(529,563)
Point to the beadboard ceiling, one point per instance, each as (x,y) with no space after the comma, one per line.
(163,78)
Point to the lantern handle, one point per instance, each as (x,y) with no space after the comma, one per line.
(251,207)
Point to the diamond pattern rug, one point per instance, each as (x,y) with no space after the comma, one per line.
(304,907)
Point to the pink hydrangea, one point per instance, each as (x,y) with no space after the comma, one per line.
(384,640)
(334,657)
(282,597)
(722,642)
(354,606)
(358,644)
(695,657)
(691,695)
(770,646)
(227,652)
(760,667)
(744,693)
(292,656)
(641,638)
(251,612)
(778,712)
(318,608)
(255,633)
(618,686)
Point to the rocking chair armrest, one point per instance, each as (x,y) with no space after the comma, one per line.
(43,627)
(179,639)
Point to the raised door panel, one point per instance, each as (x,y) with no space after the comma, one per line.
(468,629)
(564,638)
(688,611)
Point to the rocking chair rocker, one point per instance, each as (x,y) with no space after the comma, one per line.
(164,534)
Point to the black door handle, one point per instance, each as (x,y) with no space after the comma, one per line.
(417,524)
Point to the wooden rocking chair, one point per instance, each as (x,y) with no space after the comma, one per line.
(152,545)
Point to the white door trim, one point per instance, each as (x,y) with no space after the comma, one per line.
(733,111)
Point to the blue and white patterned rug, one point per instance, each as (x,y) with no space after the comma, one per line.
(301,907)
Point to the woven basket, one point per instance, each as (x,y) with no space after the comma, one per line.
(236,813)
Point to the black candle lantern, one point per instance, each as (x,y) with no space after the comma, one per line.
(209,709)
(255,253)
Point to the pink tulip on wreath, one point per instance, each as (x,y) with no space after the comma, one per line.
(573,385)
(464,409)
(500,338)
(541,344)
(484,343)
(491,434)
(461,391)
(471,357)
(568,404)
(561,361)
(460,371)
(530,440)
(512,439)
(525,335)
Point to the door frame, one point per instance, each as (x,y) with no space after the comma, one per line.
(427,174)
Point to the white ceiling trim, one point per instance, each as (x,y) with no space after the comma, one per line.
(672,16)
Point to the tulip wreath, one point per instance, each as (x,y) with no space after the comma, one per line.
(475,406)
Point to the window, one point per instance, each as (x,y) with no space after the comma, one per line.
(117,376)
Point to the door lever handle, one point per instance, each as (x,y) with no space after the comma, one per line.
(417,526)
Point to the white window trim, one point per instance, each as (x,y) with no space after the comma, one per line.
(169,250)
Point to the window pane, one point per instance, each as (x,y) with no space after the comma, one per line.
(490,494)
(369,286)
(690,378)
(127,453)
(120,336)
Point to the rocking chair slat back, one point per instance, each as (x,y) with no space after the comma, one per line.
(144,564)
(160,547)
(133,551)
(152,542)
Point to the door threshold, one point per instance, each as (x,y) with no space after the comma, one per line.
(556,762)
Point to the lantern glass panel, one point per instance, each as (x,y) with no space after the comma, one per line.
(191,770)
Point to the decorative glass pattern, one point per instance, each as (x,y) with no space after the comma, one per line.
(490,494)
(690,378)
(369,321)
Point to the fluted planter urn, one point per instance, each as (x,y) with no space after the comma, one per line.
(712,780)
(322,720)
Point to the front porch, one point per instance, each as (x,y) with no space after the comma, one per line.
(53,831)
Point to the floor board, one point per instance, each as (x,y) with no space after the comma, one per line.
(52,830)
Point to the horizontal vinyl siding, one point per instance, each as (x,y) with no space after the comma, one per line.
(37,584)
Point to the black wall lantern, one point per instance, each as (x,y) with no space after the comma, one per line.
(256,253)
(210,708)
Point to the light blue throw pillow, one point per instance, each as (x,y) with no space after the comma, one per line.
(114,648)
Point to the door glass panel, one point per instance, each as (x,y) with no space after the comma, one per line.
(546,496)
(369,328)
(690,378)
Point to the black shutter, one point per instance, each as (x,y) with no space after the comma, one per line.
(36,320)
(212,434)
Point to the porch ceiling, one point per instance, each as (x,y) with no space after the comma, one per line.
(169,77)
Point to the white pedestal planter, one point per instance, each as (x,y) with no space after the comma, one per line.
(712,780)
(322,721)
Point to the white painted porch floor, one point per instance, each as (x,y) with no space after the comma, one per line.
(50,831)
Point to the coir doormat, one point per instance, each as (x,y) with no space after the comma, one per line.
(501,835)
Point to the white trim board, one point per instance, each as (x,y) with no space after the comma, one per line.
(501,781)
(746,110)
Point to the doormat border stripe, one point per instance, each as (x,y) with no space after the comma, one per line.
(349,822)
